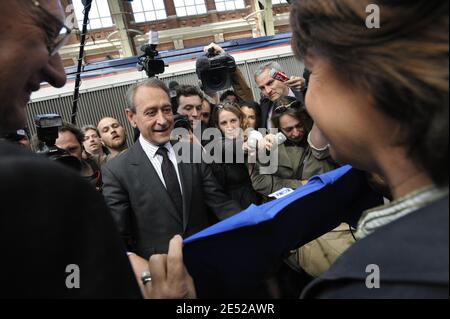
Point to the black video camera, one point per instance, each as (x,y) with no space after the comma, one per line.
(215,71)
(182,121)
(47,127)
(148,60)
(16,136)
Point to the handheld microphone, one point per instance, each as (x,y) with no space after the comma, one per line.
(253,138)
(173,86)
(280,138)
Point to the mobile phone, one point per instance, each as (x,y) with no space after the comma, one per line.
(280,76)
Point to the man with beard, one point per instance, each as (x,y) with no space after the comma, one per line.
(113,135)
(92,143)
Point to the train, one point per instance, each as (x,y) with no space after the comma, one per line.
(104,84)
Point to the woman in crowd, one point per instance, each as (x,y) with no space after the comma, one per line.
(252,116)
(379,95)
(232,172)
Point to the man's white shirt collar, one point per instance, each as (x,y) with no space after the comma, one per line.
(150,149)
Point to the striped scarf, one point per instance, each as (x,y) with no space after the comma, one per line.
(377,217)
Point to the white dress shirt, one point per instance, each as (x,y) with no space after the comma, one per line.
(150,150)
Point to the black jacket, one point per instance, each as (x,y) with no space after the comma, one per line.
(411,254)
(144,213)
(50,219)
(234,176)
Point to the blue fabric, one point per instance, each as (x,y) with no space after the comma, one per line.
(254,215)
(233,258)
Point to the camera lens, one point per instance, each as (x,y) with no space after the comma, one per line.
(218,79)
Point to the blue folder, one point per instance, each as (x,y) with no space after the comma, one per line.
(234,258)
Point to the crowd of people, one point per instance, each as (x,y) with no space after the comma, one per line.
(383,110)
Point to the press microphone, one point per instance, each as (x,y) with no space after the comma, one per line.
(280,138)
(173,86)
(253,138)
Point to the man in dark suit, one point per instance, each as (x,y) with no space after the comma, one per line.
(273,89)
(152,197)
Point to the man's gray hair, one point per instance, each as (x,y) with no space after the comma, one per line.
(151,83)
(268,66)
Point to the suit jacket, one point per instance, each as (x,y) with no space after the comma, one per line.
(267,105)
(50,219)
(143,211)
(411,254)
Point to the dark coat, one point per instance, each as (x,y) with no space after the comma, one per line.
(141,206)
(411,253)
(234,177)
(51,218)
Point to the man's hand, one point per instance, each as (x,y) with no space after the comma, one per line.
(139,265)
(296,83)
(216,48)
(268,142)
(170,279)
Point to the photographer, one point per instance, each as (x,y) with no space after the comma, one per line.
(20,137)
(71,139)
(240,86)
(183,131)
(190,103)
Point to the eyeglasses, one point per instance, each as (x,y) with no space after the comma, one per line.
(54,45)
(283,108)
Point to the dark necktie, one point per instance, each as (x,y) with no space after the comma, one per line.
(171,179)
